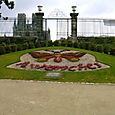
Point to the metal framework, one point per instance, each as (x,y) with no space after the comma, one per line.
(61,27)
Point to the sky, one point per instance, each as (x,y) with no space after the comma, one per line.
(85,8)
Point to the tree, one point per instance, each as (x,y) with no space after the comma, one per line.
(9,4)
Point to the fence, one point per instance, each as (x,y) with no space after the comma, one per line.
(61,27)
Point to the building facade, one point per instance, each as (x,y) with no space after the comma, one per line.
(22,27)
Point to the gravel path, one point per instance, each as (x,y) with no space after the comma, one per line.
(44,98)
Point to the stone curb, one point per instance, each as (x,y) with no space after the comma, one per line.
(82,83)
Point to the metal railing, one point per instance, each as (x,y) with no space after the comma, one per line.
(61,27)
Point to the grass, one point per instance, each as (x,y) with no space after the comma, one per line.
(98,76)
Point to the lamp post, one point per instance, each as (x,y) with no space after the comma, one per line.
(40,8)
(74,9)
(39,22)
(74,23)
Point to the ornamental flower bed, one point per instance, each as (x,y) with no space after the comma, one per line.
(58,60)
(78,67)
(57,55)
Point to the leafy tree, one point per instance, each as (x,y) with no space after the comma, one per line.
(9,4)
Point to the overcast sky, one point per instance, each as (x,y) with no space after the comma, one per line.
(86,8)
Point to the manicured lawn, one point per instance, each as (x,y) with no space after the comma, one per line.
(98,76)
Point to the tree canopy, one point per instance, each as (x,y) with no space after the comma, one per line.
(9,4)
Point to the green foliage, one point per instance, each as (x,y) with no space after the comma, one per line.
(2,50)
(19,47)
(7,48)
(49,43)
(25,46)
(63,42)
(93,47)
(69,43)
(99,48)
(43,43)
(31,45)
(56,43)
(13,47)
(76,45)
(37,44)
(99,76)
(106,49)
(87,46)
(112,51)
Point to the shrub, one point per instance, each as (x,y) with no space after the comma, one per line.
(87,46)
(19,47)
(2,50)
(69,43)
(93,47)
(13,47)
(99,48)
(31,45)
(43,43)
(50,43)
(106,49)
(81,45)
(63,42)
(76,45)
(56,43)
(25,46)
(37,44)
(112,51)
(8,49)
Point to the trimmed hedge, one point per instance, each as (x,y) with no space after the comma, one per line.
(112,51)
(83,45)
(2,50)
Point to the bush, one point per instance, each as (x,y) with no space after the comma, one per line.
(106,49)
(37,44)
(2,50)
(31,45)
(87,46)
(81,45)
(8,49)
(93,47)
(56,43)
(69,43)
(25,46)
(99,48)
(76,45)
(43,43)
(19,47)
(112,51)
(63,42)
(13,47)
(50,43)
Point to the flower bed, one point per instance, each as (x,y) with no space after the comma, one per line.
(58,60)
(78,67)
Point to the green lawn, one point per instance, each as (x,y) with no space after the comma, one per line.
(98,76)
